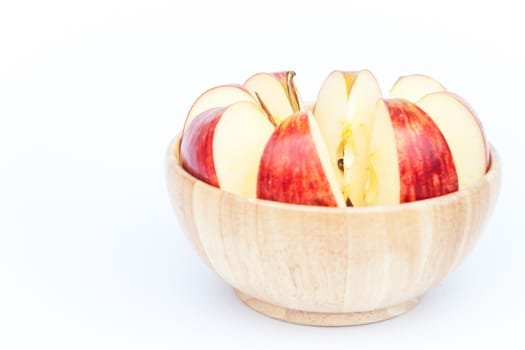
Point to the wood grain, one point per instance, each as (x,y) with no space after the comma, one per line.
(323,318)
(330,266)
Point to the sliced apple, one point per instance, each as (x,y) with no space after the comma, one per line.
(410,159)
(219,96)
(222,146)
(383,184)
(276,92)
(463,131)
(344,111)
(295,166)
(415,86)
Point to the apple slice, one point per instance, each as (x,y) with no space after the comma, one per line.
(222,146)
(344,111)
(219,96)
(276,92)
(295,167)
(413,87)
(410,159)
(383,184)
(463,131)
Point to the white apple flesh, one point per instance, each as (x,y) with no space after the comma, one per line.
(276,92)
(464,134)
(219,96)
(415,86)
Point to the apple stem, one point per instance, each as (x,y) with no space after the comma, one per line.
(293,96)
(265,109)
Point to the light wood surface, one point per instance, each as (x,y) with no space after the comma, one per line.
(329,266)
(324,318)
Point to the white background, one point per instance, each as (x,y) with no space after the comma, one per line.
(91,92)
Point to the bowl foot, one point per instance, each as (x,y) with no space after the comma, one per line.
(326,319)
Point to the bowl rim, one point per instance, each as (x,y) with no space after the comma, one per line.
(493,171)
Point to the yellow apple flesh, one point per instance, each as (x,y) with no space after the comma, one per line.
(344,111)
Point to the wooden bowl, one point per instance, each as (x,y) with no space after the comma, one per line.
(330,266)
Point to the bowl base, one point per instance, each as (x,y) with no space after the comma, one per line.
(326,319)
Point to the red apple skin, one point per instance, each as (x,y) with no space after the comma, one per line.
(290,170)
(426,166)
(196,148)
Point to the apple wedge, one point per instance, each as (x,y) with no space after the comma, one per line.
(276,92)
(295,167)
(344,111)
(219,96)
(222,146)
(409,157)
(415,86)
(463,131)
